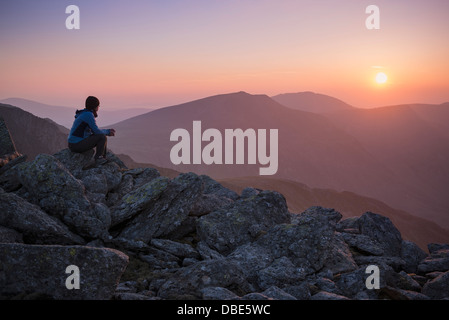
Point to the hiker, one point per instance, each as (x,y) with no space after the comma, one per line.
(86,135)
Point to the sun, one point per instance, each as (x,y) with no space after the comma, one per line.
(381,78)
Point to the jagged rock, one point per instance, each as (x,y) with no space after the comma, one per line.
(35,225)
(381,230)
(438,288)
(281,272)
(277,294)
(142,176)
(190,281)
(406,282)
(206,252)
(289,252)
(168,211)
(218,293)
(159,259)
(363,244)
(228,228)
(208,203)
(74,162)
(8,235)
(395,262)
(412,255)
(438,260)
(435,247)
(255,296)
(42,269)
(138,200)
(60,194)
(340,259)
(213,187)
(180,250)
(300,291)
(401,294)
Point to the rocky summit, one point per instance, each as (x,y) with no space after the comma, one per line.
(110,232)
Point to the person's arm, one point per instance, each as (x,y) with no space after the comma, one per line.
(90,120)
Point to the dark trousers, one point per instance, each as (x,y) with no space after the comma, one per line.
(98,141)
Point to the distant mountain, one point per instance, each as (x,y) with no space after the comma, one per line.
(33,135)
(311,102)
(300,197)
(65,115)
(401,160)
(413,141)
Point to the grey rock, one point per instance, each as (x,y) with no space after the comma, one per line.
(100,270)
(276,293)
(208,203)
(206,252)
(226,229)
(60,194)
(142,176)
(395,262)
(218,293)
(36,226)
(181,250)
(381,230)
(400,294)
(438,260)
(189,282)
(8,235)
(363,244)
(412,255)
(213,187)
(300,291)
(435,247)
(340,259)
(138,200)
(255,296)
(437,288)
(167,212)
(281,272)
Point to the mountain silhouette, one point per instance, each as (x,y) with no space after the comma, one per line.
(64,115)
(339,150)
(33,135)
(312,102)
(412,142)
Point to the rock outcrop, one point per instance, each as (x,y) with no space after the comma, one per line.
(135,234)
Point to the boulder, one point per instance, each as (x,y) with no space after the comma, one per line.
(438,260)
(138,200)
(381,230)
(438,288)
(227,228)
(34,225)
(168,211)
(42,269)
(190,282)
(412,255)
(59,193)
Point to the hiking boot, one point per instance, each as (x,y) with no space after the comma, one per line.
(101,160)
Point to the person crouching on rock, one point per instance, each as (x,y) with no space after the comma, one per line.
(86,135)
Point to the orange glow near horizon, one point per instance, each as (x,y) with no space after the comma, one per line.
(163,54)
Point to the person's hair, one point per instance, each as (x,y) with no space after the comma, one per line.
(92,103)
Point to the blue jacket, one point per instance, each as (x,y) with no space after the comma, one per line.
(84,126)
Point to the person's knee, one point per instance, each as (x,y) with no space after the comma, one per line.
(102,138)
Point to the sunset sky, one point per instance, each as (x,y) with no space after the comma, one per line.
(161,53)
